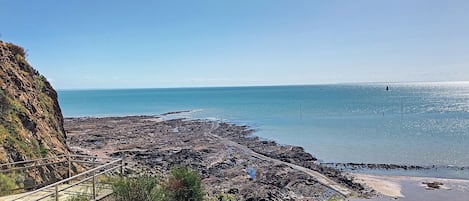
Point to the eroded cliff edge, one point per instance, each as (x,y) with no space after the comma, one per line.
(31,122)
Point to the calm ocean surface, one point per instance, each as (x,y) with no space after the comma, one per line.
(412,123)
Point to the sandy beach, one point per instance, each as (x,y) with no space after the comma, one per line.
(407,188)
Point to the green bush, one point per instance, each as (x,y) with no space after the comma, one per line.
(42,150)
(335,198)
(140,188)
(222,197)
(183,184)
(79,197)
(7,184)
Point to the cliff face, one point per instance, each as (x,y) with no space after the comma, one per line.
(31,122)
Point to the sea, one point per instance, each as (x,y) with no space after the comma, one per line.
(399,123)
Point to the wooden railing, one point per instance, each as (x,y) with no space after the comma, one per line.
(99,166)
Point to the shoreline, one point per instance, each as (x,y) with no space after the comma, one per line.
(408,188)
(433,171)
(385,169)
(90,135)
(226,156)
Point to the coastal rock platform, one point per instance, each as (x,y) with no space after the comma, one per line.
(228,157)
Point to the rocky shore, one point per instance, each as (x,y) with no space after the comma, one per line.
(228,157)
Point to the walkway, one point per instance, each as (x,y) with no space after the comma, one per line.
(92,184)
(67,192)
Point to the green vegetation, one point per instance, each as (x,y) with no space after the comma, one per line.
(12,132)
(183,184)
(11,183)
(20,145)
(9,114)
(335,198)
(224,197)
(42,150)
(79,197)
(7,183)
(39,81)
(141,188)
(3,133)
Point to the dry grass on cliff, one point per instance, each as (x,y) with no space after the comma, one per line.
(16,50)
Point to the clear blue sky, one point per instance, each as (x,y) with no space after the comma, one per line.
(134,44)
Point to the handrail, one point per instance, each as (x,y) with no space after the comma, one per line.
(32,166)
(79,182)
(106,164)
(71,178)
(32,160)
(52,157)
(3,170)
(85,156)
(81,161)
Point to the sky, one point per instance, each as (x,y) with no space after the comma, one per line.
(96,44)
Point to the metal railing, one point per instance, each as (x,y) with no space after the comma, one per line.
(106,166)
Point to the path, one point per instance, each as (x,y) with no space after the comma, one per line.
(77,190)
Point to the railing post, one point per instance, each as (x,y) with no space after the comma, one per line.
(56,192)
(69,166)
(122,166)
(94,178)
(94,186)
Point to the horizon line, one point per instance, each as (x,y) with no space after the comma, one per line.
(261,85)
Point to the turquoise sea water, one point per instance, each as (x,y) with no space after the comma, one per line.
(412,123)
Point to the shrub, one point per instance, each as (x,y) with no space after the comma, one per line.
(79,197)
(7,184)
(42,149)
(183,184)
(140,188)
(224,197)
(335,198)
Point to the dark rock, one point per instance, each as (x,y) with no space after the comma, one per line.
(151,146)
(433,185)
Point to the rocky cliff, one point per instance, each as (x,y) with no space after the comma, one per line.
(31,122)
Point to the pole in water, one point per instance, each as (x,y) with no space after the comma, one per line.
(301,115)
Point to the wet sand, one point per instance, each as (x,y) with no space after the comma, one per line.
(407,188)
